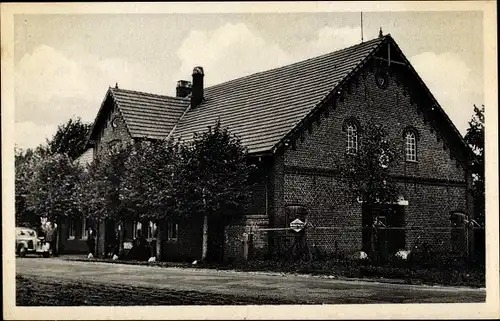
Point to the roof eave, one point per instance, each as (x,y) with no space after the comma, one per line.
(434,100)
(90,142)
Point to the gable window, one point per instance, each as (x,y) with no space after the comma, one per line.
(411,146)
(411,138)
(352,139)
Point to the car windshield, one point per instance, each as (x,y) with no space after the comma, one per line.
(26,233)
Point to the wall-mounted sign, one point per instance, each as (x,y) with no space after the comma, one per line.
(297,225)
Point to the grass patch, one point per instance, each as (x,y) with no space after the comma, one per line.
(32,291)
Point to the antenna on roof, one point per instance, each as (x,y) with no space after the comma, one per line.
(361,26)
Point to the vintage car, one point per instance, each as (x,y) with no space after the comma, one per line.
(28,242)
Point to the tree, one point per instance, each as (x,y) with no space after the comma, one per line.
(368,172)
(100,188)
(149,188)
(367,175)
(475,139)
(70,138)
(214,178)
(52,189)
(25,162)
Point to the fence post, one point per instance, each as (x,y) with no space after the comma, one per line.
(245,246)
(466,241)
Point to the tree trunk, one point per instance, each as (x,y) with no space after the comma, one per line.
(57,235)
(120,238)
(205,239)
(159,239)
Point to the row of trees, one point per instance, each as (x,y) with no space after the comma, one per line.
(210,176)
(46,174)
(146,181)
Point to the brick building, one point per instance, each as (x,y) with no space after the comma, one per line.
(297,121)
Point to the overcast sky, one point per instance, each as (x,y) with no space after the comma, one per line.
(65,63)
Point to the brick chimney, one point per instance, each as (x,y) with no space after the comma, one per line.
(197,88)
(183,88)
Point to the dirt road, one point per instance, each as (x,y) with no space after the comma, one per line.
(266,286)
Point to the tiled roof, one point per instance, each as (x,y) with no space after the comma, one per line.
(262,108)
(149,115)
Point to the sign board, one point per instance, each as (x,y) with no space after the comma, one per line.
(297,225)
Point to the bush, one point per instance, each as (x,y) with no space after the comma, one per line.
(397,268)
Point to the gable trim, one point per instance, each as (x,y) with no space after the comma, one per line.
(340,89)
(90,143)
(328,100)
(435,103)
(115,102)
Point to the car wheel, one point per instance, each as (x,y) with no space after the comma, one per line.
(46,254)
(22,251)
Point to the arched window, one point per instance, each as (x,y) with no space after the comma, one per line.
(411,146)
(352,138)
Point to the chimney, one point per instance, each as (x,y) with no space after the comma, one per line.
(197,89)
(183,88)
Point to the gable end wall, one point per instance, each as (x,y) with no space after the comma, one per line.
(309,170)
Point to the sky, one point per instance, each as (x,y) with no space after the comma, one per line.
(64,64)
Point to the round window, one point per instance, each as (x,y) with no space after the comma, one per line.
(381,79)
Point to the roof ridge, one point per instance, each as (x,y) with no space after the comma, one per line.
(256,73)
(301,61)
(147,93)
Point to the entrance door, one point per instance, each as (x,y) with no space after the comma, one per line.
(215,250)
(110,237)
(383,230)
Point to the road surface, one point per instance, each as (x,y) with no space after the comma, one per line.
(267,286)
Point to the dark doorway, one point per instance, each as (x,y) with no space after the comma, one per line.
(383,230)
(458,233)
(110,241)
(215,246)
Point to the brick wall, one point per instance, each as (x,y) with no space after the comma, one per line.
(318,150)
(187,247)
(390,106)
(255,217)
(327,207)
(429,207)
(110,134)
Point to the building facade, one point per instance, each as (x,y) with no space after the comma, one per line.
(298,122)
